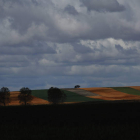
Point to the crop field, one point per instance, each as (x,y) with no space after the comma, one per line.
(115,93)
(72,96)
(40,97)
(14,100)
(128,90)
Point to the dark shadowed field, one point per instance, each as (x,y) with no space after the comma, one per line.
(98,120)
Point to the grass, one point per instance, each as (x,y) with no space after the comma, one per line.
(127,90)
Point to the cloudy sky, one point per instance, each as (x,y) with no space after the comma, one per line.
(62,43)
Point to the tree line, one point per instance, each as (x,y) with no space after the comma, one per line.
(55,95)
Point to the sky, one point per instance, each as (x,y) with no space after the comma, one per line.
(63,43)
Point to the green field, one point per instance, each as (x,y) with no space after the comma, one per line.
(42,93)
(127,90)
(74,97)
(71,96)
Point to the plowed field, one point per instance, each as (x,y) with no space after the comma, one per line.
(110,94)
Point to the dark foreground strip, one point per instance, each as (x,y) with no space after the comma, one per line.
(72,115)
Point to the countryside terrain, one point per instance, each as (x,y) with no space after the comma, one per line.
(78,95)
(88,113)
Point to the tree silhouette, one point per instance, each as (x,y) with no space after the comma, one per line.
(4,95)
(25,95)
(55,95)
(77,86)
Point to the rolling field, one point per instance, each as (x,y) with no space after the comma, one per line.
(82,95)
(128,90)
(88,119)
(115,93)
(14,100)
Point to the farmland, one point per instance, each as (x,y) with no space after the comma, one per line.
(97,113)
(82,95)
(115,93)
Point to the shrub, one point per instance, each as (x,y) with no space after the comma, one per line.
(25,95)
(55,95)
(4,95)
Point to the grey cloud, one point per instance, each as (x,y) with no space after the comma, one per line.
(24,13)
(78,54)
(128,51)
(81,48)
(119,48)
(71,10)
(39,41)
(103,5)
(26,49)
(102,55)
(27,22)
(36,2)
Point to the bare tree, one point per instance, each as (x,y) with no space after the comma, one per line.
(25,95)
(4,95)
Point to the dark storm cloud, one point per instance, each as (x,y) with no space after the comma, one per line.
(103,5)
(71,10)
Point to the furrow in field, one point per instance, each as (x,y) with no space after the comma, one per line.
(110,94)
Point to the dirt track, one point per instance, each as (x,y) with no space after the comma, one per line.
(110,94)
